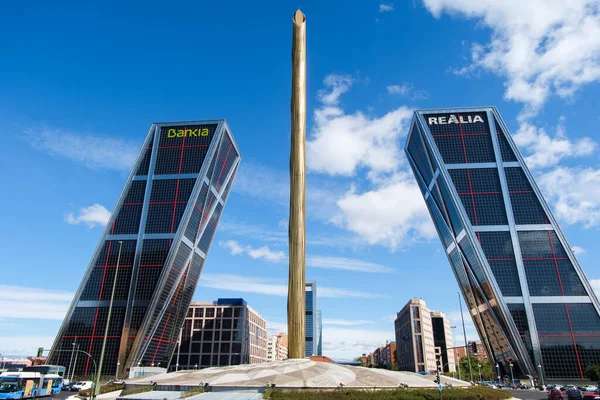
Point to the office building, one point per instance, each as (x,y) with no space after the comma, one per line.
(157,238)
(524,288)
(319,333)
(442,339)
(219,333)
(414,338)
(276,351)
(312,333)
(476,349)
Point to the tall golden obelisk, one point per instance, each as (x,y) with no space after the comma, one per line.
(297,225)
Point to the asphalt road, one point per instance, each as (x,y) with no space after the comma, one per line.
(529,394)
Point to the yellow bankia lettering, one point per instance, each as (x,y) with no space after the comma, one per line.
(187,132)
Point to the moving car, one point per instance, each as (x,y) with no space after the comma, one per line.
(83,385)
(555,394)
(574,394)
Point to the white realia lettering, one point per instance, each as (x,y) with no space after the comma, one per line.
(455,119)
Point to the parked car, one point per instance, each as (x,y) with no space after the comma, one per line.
(591,396)
(574,394)
(83,385)
(67,386)
(554,394)
(590,388)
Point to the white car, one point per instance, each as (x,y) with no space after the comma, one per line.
(590,388)
(83,385)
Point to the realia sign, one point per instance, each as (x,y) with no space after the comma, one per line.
(454,119)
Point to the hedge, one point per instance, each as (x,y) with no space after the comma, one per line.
(474,393)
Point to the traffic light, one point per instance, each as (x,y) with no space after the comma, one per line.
(40,352)
(473,348)
(437,377)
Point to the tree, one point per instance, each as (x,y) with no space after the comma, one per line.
(487,370)
(360,360)
(592,372)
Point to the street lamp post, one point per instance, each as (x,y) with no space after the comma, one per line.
(71,360)
(110,306)
(465,334)
(541,375)
(512,378)
(479,366)
(117,371)
(498,371)
(74,362)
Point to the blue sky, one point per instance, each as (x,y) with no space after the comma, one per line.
(79,80)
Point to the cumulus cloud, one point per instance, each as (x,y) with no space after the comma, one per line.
(386,7)
(94,215)
(393,214)
(340,143)
(92,151)
(342,343)
(263,252)
(547,151)
(399,89)
(540,47)
(574,194)
(346,322)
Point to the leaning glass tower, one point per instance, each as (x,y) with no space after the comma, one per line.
(530,301)
(158,237)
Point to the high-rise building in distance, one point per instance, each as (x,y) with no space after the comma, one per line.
(319,333)
(220,333)
(312,332)
(524,289)
(442,339)
(158,237)
(414,338)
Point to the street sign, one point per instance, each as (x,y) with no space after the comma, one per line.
(440,387)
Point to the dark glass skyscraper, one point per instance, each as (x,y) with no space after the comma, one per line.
(312,331)
(165,217)
(527,294)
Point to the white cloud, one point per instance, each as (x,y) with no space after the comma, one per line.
(578,250)
(420,95)
(255,253)
(348,343)
(541,47)
(248,284)
(399,89)
(392,214)
(595,283)
(386,7)
(547,151)
(391,317)
(346,322)
(345,264)
(274,327)
(33,303)
(340,143)
(92,151)
(339,84)
(574,193)
(24,345)
(94,215)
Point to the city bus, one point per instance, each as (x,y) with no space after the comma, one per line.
(46,369)
(23,385)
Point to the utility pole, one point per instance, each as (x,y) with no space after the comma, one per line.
(465,334)
(96,389)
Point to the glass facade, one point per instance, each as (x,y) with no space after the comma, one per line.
(158,237)
(312,329)
(525,291)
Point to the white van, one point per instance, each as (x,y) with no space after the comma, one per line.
(83,385)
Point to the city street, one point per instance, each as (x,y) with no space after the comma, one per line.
(529,394)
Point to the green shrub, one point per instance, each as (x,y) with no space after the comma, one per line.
(192,392)
(137,389)
(474,393)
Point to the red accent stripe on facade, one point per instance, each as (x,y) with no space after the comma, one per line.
(90,337)
(566,306)
(223,166)
(175,205)
(87,362)
(199,209)
(472,197)
(166,202)
(187,147)
(161,337)
(458,134)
